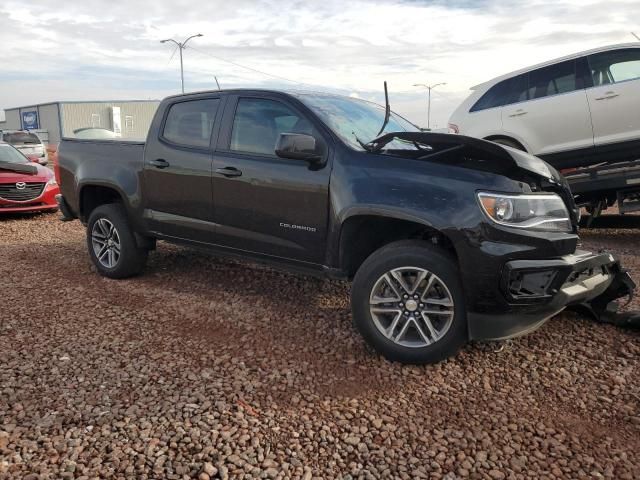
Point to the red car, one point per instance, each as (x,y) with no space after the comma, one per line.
(25,186)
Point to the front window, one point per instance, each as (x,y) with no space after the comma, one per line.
(616,66)
(259,122)
(352,119)
(9,154)
(21,138)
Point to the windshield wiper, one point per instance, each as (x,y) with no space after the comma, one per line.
(366,146)
(387,109)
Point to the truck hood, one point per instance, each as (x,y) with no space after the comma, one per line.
(468,152)
(481,155)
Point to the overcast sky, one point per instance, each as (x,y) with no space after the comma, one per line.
(101,50)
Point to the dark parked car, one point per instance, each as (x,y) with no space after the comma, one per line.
(446,238)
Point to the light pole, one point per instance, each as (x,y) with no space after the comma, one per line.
(429,88)
(181,46)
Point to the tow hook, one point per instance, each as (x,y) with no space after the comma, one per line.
(604,308)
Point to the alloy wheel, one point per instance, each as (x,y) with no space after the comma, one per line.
(105,241)
(411,306)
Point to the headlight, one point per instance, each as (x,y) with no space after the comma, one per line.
(546,212)
(52,181)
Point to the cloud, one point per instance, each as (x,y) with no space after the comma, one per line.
(97,49)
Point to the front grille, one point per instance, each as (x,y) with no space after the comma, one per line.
(31,191)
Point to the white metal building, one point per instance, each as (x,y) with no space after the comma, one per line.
(52,121)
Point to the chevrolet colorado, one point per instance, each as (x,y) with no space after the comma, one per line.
(446,238)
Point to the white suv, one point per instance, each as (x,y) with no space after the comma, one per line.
(27,142)
(574,111)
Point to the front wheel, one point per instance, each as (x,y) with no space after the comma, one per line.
(112,246)
(408,303)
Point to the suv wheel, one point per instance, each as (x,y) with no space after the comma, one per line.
(112,246)
(509,143)
(408,303)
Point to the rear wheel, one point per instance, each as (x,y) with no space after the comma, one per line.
(407,303)
(111,243)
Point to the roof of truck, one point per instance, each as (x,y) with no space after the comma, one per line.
(263,90)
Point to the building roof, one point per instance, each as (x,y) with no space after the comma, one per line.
(35,105)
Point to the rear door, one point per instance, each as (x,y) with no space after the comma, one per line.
(263,203)
(614,98)
(552,113)
(177,170)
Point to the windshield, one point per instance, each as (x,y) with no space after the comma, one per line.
(8,154)
(350,118)
(21,138)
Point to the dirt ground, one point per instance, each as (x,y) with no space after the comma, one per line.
(211,368)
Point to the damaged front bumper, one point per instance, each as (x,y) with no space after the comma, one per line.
(536,290)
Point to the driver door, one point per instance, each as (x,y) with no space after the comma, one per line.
(263,203)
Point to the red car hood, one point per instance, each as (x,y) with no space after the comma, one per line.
(43,175)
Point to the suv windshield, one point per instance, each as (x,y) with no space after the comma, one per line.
(16,138)
(8,154)
(350,118)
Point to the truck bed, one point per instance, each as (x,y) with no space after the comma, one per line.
(93,160)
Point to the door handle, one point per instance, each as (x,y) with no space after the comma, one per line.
(159,163)
(229,171)
(608,95)
(518,113)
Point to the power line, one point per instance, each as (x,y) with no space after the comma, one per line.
(250,68)
(171,57)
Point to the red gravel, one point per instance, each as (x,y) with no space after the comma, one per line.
(211,368)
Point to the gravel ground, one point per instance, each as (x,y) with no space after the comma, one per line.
(210,368)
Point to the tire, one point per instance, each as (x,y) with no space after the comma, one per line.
(130,259)
(509,143)
(448,328)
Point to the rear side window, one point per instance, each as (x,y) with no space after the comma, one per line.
(617,66)
(493,98)
(191,123)
(508,91)
(553,80)
(259,122)
(19,138)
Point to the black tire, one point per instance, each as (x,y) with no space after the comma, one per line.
(509,143)
(131,259)
(423,255)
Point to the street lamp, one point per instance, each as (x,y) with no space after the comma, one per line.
(181,46)
(429,88)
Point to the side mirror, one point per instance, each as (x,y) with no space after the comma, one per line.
(297,146)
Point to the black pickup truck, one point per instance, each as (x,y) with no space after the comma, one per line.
(446,238)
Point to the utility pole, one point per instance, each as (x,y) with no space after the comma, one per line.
(181,46)
(429,88)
